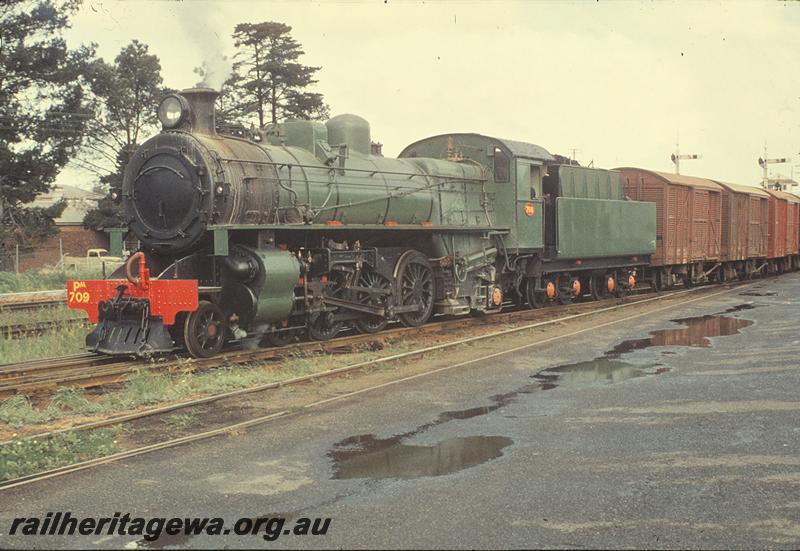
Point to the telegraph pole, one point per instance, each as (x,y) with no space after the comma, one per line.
(677,157)
(574,152)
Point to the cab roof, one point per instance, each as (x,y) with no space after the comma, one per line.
(517,149)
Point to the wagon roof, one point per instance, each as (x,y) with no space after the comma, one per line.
(752,190)
(679,179)
(791,197)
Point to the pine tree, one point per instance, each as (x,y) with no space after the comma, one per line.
(43,112)
(268,81)
(125,97)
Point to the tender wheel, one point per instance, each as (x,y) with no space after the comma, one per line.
(323,327)
(597,287)
(569,289)
(372,280)
(536,299)
(204,330)
(415,286)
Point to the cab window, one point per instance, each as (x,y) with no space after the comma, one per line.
(501,165)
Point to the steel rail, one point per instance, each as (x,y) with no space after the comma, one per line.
(32,299)
(46,374)
(360,365)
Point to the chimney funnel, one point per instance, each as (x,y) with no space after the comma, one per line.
(201,105)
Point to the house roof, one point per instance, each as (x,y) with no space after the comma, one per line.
(79,202)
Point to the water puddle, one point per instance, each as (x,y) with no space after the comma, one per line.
(378,458)
(696,333)
(367,456)
(600,370)
(609,368)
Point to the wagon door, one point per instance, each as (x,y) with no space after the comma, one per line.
(678,226)
(714,235)
(700,225)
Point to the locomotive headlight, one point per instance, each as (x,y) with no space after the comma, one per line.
(172,111)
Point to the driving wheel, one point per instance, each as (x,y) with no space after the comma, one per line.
(414,288)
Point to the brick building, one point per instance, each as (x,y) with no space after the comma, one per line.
(72,238)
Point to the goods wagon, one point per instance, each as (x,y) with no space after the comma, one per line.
(784,225)
(745,230)
(688,224)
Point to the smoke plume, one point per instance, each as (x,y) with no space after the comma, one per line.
(201,24)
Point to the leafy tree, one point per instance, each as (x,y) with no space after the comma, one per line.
(43,112)
(268,81)
(108,214)
(126,95)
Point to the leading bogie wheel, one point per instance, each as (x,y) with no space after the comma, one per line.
(281,338)
(204,330)
(414,286)
(323,327)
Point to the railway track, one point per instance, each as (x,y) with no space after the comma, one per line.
(37,328)
(32,300)
(40,377)
(241,425)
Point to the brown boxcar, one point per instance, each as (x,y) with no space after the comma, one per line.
(745,222)
(784,225)
(688,222)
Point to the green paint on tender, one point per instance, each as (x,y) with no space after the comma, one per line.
(599,227)
(590,183)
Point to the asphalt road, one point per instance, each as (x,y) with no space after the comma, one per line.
(645,434)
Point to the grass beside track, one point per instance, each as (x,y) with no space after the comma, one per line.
(143,389)
(60,341)
(148,388)
(30,456)
(60,312)
(44,279)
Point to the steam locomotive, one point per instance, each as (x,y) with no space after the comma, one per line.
(300,230)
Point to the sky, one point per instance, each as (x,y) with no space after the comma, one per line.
(619,82)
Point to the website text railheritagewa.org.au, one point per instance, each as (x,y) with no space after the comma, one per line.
(151,528)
